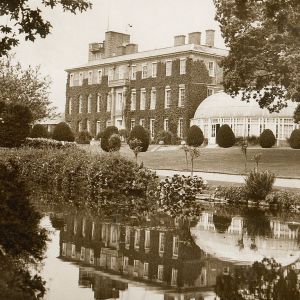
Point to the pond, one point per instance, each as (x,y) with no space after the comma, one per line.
(159,257)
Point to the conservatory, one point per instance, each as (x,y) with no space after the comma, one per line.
(245,118)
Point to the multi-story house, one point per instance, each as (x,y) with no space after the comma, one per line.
(159,89)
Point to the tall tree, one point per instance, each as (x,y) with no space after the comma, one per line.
(22,17)
(264,41)
(26,87)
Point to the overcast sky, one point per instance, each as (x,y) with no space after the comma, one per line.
(154,24)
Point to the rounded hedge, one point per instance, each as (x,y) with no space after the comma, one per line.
(294,139)
(114,142)
(105,135)
(139,132)
(195,136)
(38,131)
(267,139)
(167,137)
(225,136)
(62,132)
(83,137)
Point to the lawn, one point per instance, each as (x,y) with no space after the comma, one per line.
(284,162)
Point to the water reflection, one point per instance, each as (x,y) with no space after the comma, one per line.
(158,257)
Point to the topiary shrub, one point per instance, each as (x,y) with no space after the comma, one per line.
(83,137)
(138,132)
(195,136)
(106,134)
(167,137)
(38,131)
(14,124)
(267,139)
(294,139)
(62,132)
(225,137)
(114,143)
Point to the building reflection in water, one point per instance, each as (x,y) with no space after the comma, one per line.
(172,258)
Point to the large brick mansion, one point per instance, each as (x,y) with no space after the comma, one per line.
(158,89)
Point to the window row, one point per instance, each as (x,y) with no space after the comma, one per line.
(152,123)
(153,98)
(89,103)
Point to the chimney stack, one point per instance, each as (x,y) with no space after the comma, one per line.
(210,38)
(179,40)
(195,38)
(131,48)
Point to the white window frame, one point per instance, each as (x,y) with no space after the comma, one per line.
(127,237)
(137,238)
(133,100)
(142,122)
(147,239)
(162,242)
(70,106)
(71,79)
(167,98)
(80,78)
(144,71)
(181,98)
(98,102)
(125,263)
(154,69)
(80,105)
(180,128)
(119,102)
(166,124)
(146,270)
(90,77)
(99,76)
(111,74)
(80,127)
(182,68)
(153,99)
(160,273)
(133,72)
(152,128)
(174,276)
(88,125)
(175,247)
(143,99)
(211,70)
(89,104)
(168,67)
(98,127)
(83,227)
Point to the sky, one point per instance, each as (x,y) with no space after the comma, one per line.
(154,25)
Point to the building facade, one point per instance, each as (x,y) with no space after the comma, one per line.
(159,89)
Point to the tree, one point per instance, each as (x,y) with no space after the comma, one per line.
(38,131)
(106,134)
(225,137)
(29,21)
(264,42)
(62,132)
(294,139)
(195,136)
(267,139)
(14,125)
(114,143)
(139,132)
(136,146)
(25,87)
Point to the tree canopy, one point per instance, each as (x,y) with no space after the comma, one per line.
(264,41)
(26,87)
(22,18)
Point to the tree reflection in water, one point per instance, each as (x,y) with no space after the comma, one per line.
(22,242)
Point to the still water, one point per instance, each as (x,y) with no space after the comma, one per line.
(159,257)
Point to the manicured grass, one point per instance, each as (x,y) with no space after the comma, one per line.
(284,162)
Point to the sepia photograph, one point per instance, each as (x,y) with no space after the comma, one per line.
(149,150)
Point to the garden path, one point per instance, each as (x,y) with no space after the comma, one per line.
(209,176)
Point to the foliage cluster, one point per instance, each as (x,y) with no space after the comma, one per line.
(106,134)
(267,139)
(168,137)
(83,137)
(225,137)
(294,139)
(231,194)
(15,122)
(74,174)
(177,194)
(114,142)
(38,131)
(62,132)
(195,136)
(39,143)
(284,200)
(138,132)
